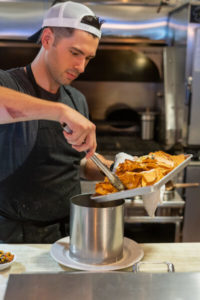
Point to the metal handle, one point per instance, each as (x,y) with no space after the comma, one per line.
(112,177)
(170,266)
(186,185)
(66,128)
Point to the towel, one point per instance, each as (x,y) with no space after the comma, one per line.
(152,200)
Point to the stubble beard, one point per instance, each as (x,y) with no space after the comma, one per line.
(60,80)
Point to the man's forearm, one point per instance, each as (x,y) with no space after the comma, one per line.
(16,107)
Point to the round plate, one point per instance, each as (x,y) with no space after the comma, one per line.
(8,264)
(132,253)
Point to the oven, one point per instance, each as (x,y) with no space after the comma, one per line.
(122,81)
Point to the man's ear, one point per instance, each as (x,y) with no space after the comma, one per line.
(47,38)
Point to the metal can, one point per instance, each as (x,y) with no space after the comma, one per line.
(96,230)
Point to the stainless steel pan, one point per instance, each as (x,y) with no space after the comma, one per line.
(127,194)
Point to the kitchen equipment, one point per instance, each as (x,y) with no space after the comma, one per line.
(171,186)
(112,177)
(132,253)
(191,232)
(147,120)
(106,286)
(181,64)
(96,230)
(168,195)
(137,267)
(127,194)
(115,181)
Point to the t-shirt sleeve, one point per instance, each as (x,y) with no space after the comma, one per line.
(8,81)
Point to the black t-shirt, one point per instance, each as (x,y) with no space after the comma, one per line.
(39,171)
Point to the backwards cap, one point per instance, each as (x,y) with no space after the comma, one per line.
(67,14)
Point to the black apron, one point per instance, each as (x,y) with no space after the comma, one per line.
(37,205)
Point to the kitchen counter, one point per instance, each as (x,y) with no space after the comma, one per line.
(35,258)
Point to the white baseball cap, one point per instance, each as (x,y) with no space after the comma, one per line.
(67,14)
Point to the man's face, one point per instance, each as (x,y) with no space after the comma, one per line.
(67,58)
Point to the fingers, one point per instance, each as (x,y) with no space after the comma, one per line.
(87,146)
(83,141)
(78,139)
(81,133)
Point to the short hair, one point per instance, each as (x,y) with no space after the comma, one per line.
(61,32)
(92,21)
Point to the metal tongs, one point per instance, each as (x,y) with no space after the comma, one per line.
(114,180)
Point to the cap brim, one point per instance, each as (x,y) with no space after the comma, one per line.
(35,37)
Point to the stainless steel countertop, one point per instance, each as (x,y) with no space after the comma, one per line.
(35,258)
(107,286)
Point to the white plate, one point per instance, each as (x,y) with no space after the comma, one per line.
(8,264)
(132,253)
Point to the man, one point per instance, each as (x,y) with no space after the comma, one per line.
(40,167)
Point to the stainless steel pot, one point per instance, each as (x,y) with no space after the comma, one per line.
(96,230)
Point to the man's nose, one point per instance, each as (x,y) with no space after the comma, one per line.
(80,65)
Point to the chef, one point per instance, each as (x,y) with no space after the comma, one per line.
(40,163)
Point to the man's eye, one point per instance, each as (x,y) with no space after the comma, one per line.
(74,53)
(89,58)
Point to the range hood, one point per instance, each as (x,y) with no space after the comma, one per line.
(124,19)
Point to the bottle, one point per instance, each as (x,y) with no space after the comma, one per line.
(147,124)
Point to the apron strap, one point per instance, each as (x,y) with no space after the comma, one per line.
(32,80)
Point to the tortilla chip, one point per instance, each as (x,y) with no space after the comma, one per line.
(145,171)
(104,188)
(128,166)
(178,159)
(163,159)
(149,176)
(131,180)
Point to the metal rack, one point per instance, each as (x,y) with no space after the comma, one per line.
(176,203)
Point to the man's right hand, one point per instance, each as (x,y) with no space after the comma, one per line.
(83,132)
